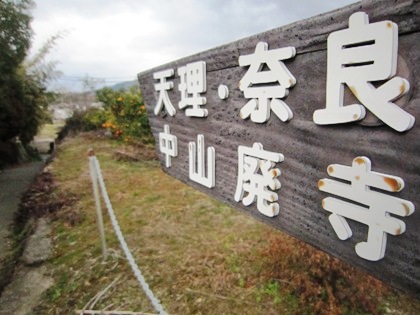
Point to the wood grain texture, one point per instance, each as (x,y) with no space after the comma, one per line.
(308,148)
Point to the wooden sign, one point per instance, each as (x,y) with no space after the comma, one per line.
(312,128)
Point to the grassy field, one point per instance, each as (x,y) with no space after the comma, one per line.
(198,255)
(49,131)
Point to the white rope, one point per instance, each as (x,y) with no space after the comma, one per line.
(156,303)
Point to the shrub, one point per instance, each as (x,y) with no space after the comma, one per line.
(95,118)
(74,124)
(123,115)
(127,117)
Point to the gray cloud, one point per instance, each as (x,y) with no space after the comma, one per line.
(111,38)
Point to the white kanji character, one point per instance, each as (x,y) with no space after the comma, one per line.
(163,87)
(193,81)
(266,98)
(250,161)
(362,53)
(197,162)
(376,208)
(168,145)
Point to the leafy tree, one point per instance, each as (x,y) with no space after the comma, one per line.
(15,35)
(38,67)
(36,72)
(23,96)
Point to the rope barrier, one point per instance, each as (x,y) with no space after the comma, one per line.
(96,167)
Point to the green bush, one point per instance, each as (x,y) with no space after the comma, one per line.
(76,123)
(125,114)
(94,118)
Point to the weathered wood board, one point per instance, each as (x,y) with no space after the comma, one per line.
(308,148)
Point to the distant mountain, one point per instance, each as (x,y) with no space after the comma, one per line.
(76,86)
(124,85)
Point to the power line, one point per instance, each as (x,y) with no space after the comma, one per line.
(109,79)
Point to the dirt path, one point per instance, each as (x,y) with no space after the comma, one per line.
(28,280)
(13,183)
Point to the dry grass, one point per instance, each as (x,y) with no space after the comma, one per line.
(49,131)
(198,255)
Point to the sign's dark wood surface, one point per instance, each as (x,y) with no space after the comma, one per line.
(308,148)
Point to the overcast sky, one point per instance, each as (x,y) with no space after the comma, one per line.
(116,39)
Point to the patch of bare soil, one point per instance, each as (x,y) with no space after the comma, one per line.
(41,200)
(135,153)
